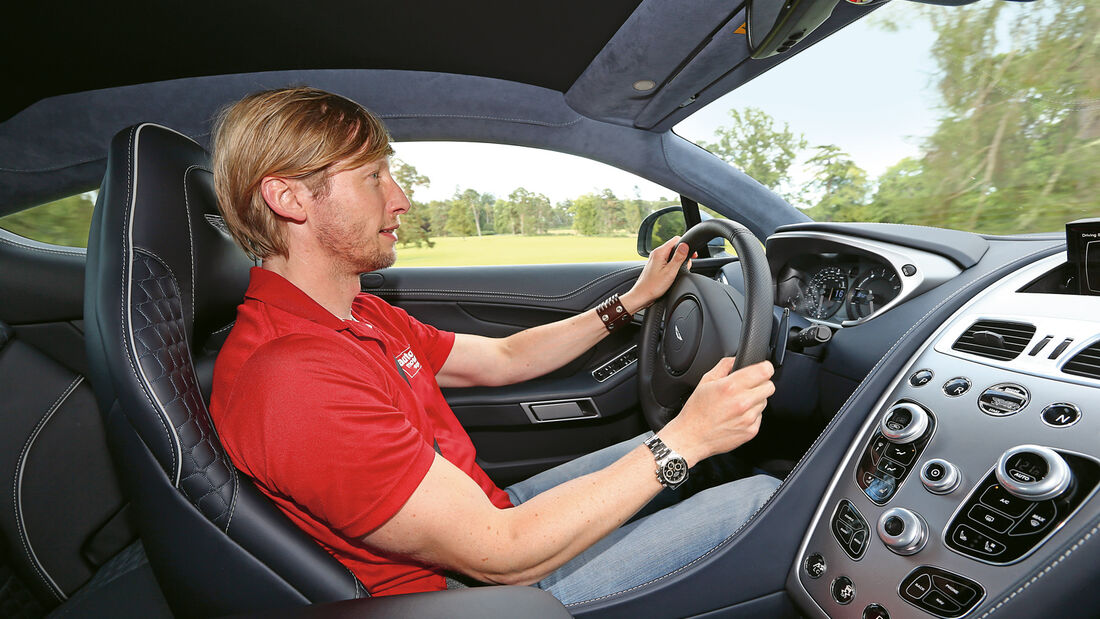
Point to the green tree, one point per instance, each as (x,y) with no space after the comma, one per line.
(1017,143)
(757,146)
(532,210)
(842,186)
(586,214)
(416,225)
(61,222)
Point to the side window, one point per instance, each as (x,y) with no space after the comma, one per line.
(485,204)
(61,222)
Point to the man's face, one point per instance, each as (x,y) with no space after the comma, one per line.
(356,223)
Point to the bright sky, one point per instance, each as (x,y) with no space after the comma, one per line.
(867,90)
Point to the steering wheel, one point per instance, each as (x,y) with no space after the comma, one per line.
(699,321)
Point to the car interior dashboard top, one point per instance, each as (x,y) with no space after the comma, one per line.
(976,469)
(841,280)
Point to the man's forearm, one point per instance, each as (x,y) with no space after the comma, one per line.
(545,348)
(551,528)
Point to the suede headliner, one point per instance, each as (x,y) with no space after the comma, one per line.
(33,169)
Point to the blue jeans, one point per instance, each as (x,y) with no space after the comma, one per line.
(669,535)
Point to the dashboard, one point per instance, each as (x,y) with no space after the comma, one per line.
(976,468)
(836,286)
(842,281)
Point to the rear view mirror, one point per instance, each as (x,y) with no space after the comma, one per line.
(775,26)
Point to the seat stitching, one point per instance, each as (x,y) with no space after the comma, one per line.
(190,237)
(17,490)
(1043,572)
(236,478)
(832,423)
(127,269)
(28,247)
(485,117)
(226,327)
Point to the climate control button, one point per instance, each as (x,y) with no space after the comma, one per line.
(1033,473)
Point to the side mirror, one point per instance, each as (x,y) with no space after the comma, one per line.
(658,227)
(663,224)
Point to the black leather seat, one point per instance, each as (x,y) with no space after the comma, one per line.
(162,285)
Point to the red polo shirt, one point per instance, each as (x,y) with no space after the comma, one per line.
(314,409)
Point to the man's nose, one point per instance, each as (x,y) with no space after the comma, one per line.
(399,202)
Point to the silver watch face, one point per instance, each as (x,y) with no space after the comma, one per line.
(674,471)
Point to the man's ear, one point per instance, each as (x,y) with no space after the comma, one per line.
(281,195)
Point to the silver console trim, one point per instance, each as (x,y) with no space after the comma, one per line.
(995,579)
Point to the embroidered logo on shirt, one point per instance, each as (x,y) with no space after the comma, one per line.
(408,362)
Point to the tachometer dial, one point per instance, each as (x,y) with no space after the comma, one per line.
(825,292)
(874,289)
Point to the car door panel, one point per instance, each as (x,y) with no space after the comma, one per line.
(497,301)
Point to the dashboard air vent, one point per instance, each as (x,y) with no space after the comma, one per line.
(1085,363)
(995,339)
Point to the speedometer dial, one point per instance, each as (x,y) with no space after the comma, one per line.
(874,289)
(825,292)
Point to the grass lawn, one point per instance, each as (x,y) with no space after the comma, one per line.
(512,249)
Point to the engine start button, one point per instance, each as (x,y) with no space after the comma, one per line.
(1003,399)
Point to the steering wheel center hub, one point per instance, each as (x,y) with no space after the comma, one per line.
(681,338)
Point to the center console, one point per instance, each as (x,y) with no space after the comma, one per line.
(976,468)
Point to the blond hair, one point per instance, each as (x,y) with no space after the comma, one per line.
(301,133)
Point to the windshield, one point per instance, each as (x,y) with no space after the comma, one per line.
(983,118)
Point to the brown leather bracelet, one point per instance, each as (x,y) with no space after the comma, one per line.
(612,313)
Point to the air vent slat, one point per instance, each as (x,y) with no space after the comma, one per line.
(995,339)
(1085,363)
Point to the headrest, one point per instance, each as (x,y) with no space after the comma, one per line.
(175,219)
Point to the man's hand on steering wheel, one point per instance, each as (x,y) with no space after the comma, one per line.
(722,413)
(657,275)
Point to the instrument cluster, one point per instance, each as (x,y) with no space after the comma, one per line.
(836,288)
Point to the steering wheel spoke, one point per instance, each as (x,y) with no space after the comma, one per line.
(703,321)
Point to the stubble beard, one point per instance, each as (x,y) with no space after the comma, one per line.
(352,250)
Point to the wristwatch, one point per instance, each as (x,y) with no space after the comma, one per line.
(672,469)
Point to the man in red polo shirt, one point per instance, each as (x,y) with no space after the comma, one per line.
(330,399)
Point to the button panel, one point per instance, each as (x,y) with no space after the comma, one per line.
(885,465)
(850,529)
(996,527)
(940,592)
(616,365)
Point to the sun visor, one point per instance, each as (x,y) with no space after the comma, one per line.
(729,47)
(649,49)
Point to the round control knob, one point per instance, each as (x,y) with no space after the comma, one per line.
(1033,473)
(902,530)
(905,422)
(939,476)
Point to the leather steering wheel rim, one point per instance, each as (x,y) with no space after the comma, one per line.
(654,372)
